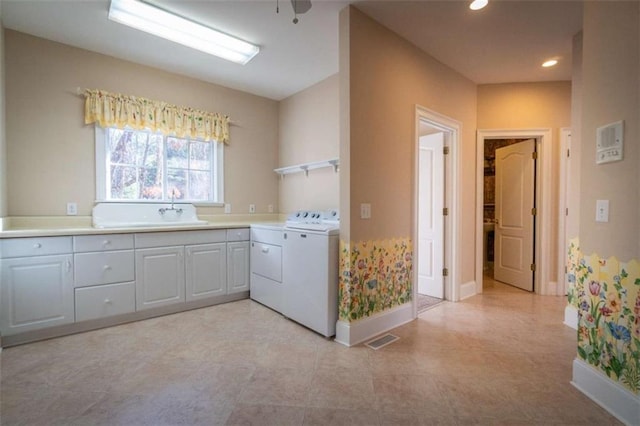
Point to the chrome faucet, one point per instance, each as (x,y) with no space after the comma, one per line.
(163,210)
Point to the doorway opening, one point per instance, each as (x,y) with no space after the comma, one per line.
(508,226)
(544,248)
(435,210)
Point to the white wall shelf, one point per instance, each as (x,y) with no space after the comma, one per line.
(305,167)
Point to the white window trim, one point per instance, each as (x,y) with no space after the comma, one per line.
(101,173)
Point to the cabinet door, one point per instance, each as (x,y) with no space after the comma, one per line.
(37,292)
(206,271)
(237,267)
(159,277)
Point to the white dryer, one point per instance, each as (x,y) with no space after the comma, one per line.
(310,270)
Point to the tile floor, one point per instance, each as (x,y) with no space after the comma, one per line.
(502,358)
(427,302)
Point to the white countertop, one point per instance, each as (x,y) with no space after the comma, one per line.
(20,227)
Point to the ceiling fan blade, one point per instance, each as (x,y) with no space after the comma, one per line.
(301,6)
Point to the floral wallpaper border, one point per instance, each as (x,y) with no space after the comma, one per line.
(374,276)
(606,294)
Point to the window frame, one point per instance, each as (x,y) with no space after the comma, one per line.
(101,163)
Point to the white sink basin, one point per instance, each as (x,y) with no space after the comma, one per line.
(132,215)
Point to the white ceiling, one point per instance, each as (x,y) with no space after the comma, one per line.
(505,42)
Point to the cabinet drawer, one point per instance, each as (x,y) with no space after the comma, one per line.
(38,246)
(85,243)
(267,292)
(105,300)
(103,267)
(266,260)
(266,236)
(179,238)
(240,234)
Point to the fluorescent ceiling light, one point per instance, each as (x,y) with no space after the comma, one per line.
(550,63)
(158,22)
(478,4)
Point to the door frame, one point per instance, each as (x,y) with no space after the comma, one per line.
(452,130)
(543,242)
(563,194)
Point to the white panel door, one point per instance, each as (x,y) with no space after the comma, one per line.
(430,218)
(515,169)
(237,267)
(37,292)
(206,271)
(159,276)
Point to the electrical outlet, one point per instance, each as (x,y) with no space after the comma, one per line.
(270,208)
(252,208)
(227,208)
(72,209)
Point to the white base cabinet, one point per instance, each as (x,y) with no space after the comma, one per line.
(37,292)
(238,267)
(206,273)
(104,274)
(159,277)
(53,281)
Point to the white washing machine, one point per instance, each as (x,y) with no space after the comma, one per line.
(310,270)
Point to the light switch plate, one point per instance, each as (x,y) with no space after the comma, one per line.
(602,210)
(365,211)
(252,208)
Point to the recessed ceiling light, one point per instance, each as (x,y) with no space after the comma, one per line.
(478,4)
(550,63)
(150,19)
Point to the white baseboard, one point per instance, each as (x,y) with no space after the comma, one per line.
(571,317)
(618,401)
(467,290)
(549,288)
(351,334)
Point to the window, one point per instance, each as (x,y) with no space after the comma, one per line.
(143,166)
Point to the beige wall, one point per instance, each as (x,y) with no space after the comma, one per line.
(309,132)
(525,106)
(51,158)
(611,92)
(388,78)
(573,186)
(531,106)
(3,144)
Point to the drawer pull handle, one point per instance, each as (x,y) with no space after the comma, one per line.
(265,249)
(37,245)
(106,243)
(107,268)
(107,301)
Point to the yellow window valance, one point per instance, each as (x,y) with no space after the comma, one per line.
(113,109)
